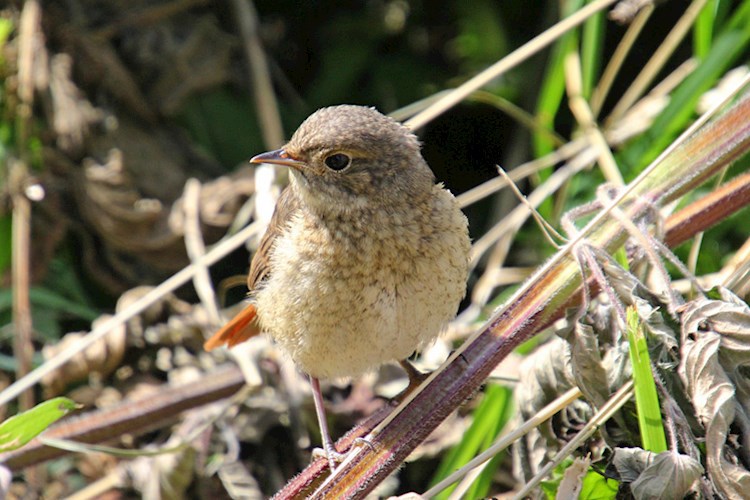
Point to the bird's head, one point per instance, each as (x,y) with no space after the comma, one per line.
(346,157)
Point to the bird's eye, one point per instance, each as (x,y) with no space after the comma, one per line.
(339,161)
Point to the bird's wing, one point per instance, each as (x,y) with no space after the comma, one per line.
(286,206)
(245,325)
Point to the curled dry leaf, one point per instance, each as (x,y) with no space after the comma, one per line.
(729,317)
(594,357)
(239,482)
(137,210)
(670,475)
(102,357)
(708,328)
(666,475)
(587,364)
(545,374)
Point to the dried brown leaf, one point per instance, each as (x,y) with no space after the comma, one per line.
(663,476)
(137,210)
(711,390)
(71,114)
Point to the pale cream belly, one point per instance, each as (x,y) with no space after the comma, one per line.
(337,323)
(337,330)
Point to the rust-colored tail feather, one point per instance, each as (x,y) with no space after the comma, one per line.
(237,330)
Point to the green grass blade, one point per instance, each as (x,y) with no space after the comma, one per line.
(592,45)
(740,18)
(489,419)
(49,299)
(704,29)
(646,399)
(553,86)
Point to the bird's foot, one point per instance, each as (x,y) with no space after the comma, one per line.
(334,457)
(331,455)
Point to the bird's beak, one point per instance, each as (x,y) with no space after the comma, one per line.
(278,157)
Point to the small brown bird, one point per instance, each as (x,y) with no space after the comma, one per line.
(365,259)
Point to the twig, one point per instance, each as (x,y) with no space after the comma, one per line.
(585,117)
(600,417)
(520,214)
(707,211)
(657,61)
(132,416)
(266,104)
(29,36)
(507,63)
(521,172)
(477,463)
(618,58)
(196,249)
(262,88)
(23,349)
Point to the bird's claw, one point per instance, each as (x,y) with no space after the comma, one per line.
(334,457)
(331,455)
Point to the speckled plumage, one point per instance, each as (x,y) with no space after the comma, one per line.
(361,266)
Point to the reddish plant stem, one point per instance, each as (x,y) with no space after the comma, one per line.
(708,211)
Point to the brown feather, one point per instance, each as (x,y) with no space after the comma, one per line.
(245,325)
(260,268)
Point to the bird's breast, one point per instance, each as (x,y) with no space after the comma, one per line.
(347,295)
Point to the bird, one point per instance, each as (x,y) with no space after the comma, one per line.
(365,259)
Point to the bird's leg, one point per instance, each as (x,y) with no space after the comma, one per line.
(332,455)
(415,379)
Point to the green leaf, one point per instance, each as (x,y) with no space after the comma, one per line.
(22,428)
(6,28)
(703,31)
(592,46)
(218,122)
(551,93)
(597,487)
(5,242)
